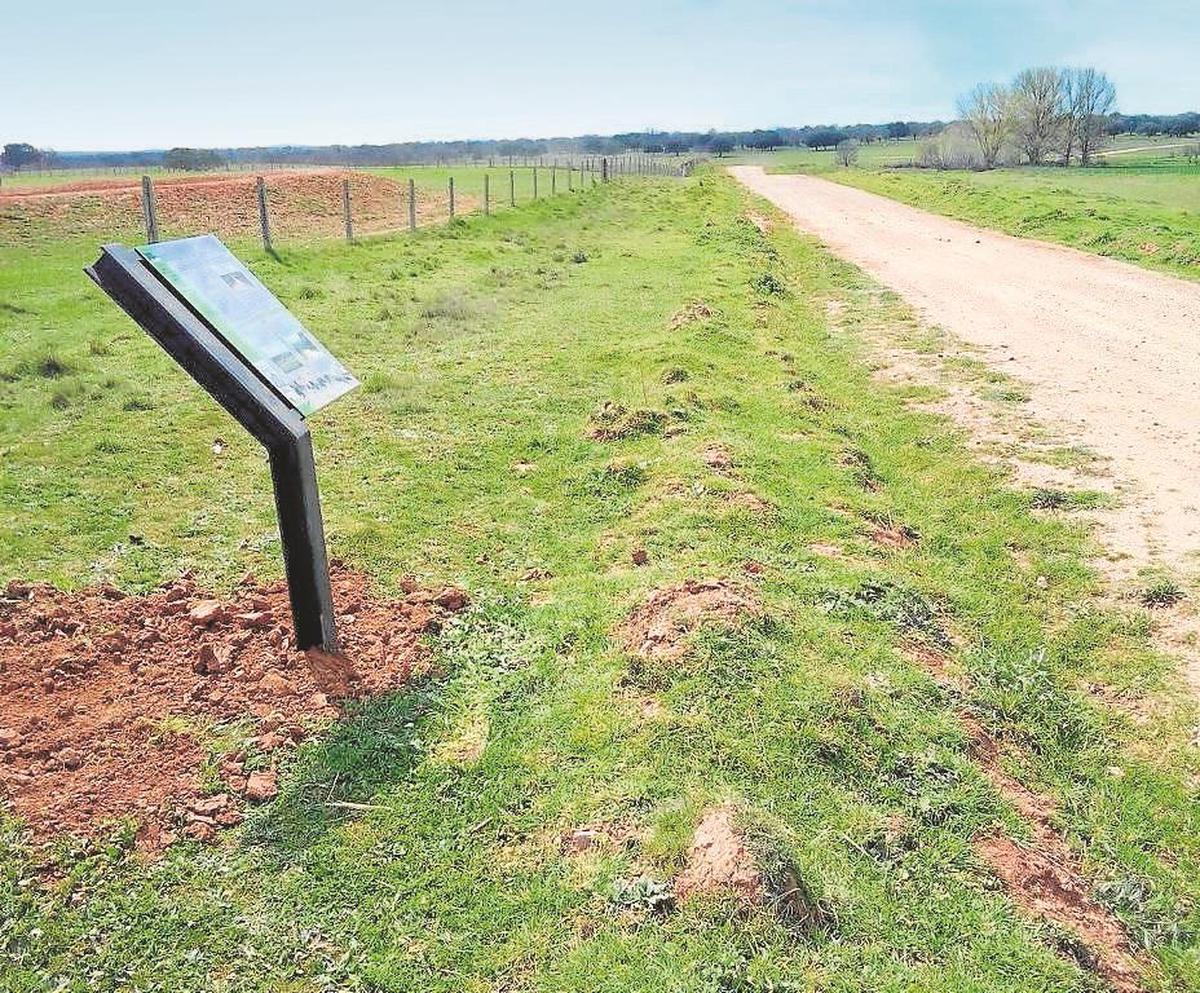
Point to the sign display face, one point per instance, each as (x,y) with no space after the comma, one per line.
(253,323)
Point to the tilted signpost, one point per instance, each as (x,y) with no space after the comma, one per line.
(234,338)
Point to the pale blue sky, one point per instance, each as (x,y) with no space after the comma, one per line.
(119,74)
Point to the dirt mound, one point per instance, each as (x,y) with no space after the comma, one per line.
(659,628)
(612,421)
(890,534)
(165,708)
(689,313)
(718,458)
(300,204)
(720,860)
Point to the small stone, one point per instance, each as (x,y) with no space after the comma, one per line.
(209,806)
(205,612)
(206,834)
(274,682)
(9,738)
(451,599)
(255,619)
(640,556)
(261,786)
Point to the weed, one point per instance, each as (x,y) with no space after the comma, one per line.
(768,284)
(883,600)
(1163,593)
(643,893)
(450,305)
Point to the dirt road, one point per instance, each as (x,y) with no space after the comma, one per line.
(1109,351)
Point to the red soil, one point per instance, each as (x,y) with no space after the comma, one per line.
(108,701)
(301,205)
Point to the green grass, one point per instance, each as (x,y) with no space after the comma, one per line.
(1149,215)
(487,346)
(468,180)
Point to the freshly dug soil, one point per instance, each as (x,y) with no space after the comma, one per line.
(109,702)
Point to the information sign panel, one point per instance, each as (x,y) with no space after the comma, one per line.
(250,320)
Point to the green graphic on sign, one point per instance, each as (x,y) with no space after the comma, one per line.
(256,325)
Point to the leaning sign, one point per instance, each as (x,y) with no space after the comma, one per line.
(230,334)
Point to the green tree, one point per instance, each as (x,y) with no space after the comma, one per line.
(18,155)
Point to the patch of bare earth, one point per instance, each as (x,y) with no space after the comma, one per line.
(891,534)
(760,221)
(718,458)
(660,627)
(1045,877)
(721,861)
(301,204)
(109,703)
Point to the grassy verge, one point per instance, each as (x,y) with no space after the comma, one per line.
(484,350)
(1145,217)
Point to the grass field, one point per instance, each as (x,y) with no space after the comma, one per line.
(485,349)
(1143,208)
(469,180)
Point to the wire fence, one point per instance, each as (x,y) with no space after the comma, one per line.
(304,205)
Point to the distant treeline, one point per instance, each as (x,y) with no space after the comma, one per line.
(25,156)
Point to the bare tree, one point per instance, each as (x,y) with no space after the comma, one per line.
(1039,111)
(1090,97)
(987,111)
(847,152)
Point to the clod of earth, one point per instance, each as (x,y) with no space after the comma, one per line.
(660,627)
(108,701)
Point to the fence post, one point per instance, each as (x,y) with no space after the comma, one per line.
(451,198)
(149,212)
(554,179)
(604,169)
(264,220)
(570,177)
(346,210)
(535,182)
(512,188)
(412,205)
(487,195)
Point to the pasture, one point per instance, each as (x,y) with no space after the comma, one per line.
(574,411)
(1144,210)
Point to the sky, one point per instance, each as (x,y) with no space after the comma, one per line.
(78,75)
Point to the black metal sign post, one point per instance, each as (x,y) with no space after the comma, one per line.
(237,387)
